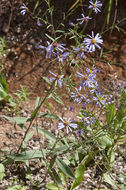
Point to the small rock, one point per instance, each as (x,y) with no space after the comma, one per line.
(86,175)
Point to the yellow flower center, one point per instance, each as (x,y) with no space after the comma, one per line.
(60,56)
(99,99)
(66,123)
(90,71)
(58,77)
(79,95)
(93,41)
(82,50)
(83,100)
(94,5)
(26,8)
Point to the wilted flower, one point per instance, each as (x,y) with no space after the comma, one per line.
(58,46)
(68,124)
(83,19)
(57,78)
(93,42)
(23,9)
(96,6)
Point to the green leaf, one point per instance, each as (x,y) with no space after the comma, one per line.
(56,177)
(3,94)
(46,79)
(17,187)
(3,84)
(65,169)
(47,104)
(47,134)
(111,112)
(37,105)
(2,170)
(60,149)
(109,180)
(48,115)
(53,186)
(16,120)
(79,173)
(27,155)
(29,136)
(57,98)
(50,37)
(104,141)
(52,161)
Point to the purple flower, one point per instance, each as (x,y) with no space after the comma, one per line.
(59,46)
(57,78)
(69,125)
(96,6)
(77,95)
(51,47)
(71,108)
(124,51)
(80,132)
(80,98)
(87,80)
(92,71)
(24,9)
(61,56)
(48,49)
(122,86)
(80,52)
(100,100)
(95,89)
(92,42)
(90,120)
(83,19)
(71,23)
(39,23)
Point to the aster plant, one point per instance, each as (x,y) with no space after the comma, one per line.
(92,42)
(24,9)
(96,6)
(68,124)
(83,19)
(57,78)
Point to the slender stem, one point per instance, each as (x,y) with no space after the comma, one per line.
(33,117)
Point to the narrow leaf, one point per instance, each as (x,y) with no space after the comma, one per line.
(53,186)
(47,134)
(109,180)
(65,169)
(79,173)
(2,170)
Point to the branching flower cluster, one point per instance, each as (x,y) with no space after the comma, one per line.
(88,90)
